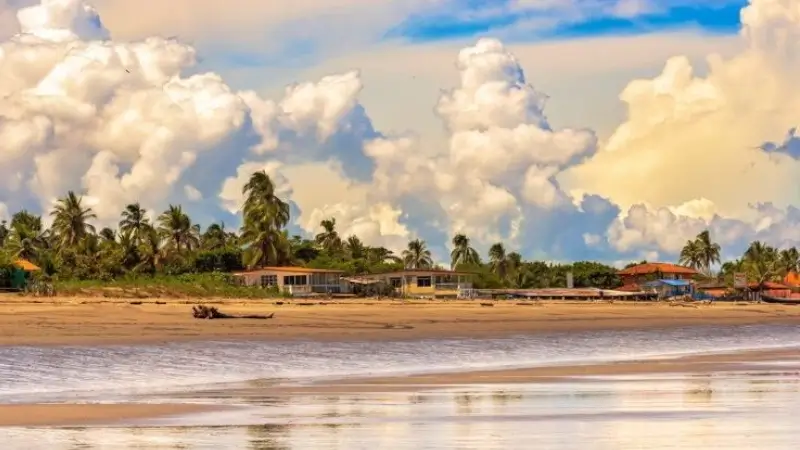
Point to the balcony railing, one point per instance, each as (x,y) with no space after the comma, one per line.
(297,289)
(452,286)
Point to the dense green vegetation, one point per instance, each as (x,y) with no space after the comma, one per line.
(761,262)
(171,254)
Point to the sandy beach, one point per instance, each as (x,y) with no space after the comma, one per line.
(100,321)
(94,321)
(89,414)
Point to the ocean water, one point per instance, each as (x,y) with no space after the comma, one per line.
(755,409)
(743,411)
(81,372)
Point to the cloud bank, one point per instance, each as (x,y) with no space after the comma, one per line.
(123,122)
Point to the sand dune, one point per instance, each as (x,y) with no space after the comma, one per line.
(48,321)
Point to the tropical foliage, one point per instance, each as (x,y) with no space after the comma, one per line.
(761,262)
(154,245)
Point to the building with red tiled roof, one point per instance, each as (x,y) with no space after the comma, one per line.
(636,275)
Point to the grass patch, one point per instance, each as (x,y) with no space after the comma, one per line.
(215,285)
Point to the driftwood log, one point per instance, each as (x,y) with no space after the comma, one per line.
(205,312)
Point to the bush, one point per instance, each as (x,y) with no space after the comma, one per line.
(222,260)
(214,284)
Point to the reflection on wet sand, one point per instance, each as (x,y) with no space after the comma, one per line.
(722,410)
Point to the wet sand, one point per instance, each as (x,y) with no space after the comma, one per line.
(93,321)
(88,414)
(784,361)
(783,364)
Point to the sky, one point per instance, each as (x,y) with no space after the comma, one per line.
(610,130)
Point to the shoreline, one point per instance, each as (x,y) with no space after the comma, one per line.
(86,321)
(254,391)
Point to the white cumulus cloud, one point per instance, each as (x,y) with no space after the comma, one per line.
(694,147)
(121,122)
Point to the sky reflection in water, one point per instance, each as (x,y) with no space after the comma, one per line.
(731,411)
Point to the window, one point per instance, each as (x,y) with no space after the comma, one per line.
(396,282)
(269,280)
(295,280)
(443,279)
(423,281)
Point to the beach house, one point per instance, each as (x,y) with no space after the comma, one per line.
(634,277)
(295,280)
(423,283)
(18,278)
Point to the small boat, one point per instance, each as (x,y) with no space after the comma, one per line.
(780,300)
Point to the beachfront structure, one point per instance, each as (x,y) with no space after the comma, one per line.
(667,288)
(296,280)
(422,283)
(18,278)
(635,276)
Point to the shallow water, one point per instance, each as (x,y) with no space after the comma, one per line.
(731,411)
(753,410)
(78,372)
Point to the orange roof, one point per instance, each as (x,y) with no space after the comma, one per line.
(26,265)
(792,279)
(650,268)
(294,269)
(629,288)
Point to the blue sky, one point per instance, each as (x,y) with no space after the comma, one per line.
(568,19)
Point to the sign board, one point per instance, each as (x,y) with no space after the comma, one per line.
(570,281)
(740,280)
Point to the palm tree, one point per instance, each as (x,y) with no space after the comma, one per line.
(264,216)
(26,239)
(692,255)
(71,220)
(175,227)
(709,251)
(130,253)
(378,255)
(498,260)
(790,260)
(763,262)
(108,235)
(261,203)
(215,237)
(417,255)
(265,242)
(700,253)
(135,221)
(462,252)
(355,248)
(329,238)
(150,252)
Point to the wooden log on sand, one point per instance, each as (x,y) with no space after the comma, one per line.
(205,312)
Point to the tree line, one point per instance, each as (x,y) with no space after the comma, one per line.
(173,244)
(760,262)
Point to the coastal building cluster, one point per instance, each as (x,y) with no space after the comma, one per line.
(641,281)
